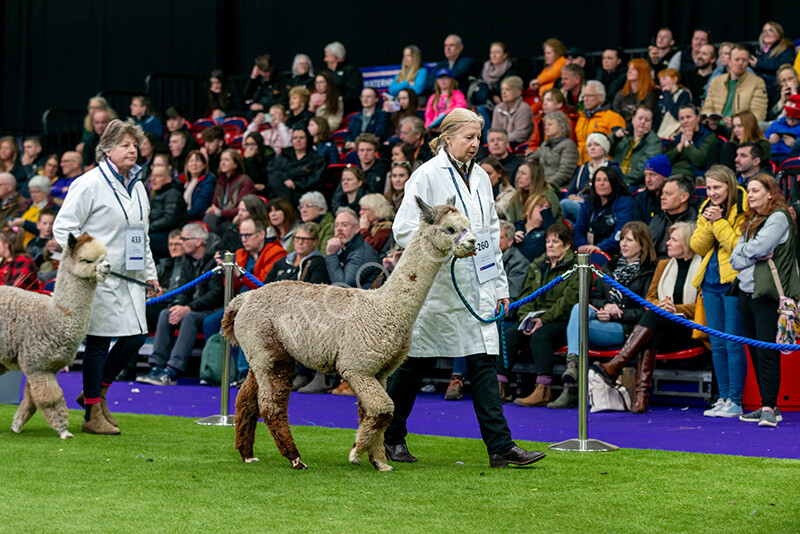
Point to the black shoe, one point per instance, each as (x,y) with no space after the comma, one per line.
(399,453)
(515,456)
(128,374)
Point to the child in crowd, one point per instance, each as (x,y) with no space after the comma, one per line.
(782,134)
(277,135)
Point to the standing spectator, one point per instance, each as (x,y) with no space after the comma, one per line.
(264,88)
(347,252)
(673,96)
(9,158)
(744,129)
(371,120)
(573,80)
(558,154)
(662,55)
(198,186)
(783,133)
(612,73)
(325,101)
(31,158)
(597,147)
(774,49)
(736,91)
(347,77)
(299,114)
(167,210)
(350,189)
(100,120)
(375,220)
(512,114)
(302,73)
(696,78)
(232,185)
(676,206)
(213,145)
(498,147)
(412,73)
(718,230)
(320,132)
(296,170)
(256,158)
(608,208)
(314,209)
(749,161)
(632,148)
(765,257)
(460,66)
(282,221)
(412,131)
(639,89)
(648,202)
(594,117)
(501,186)
(445,98)
(142,112)
(71,168)
(688,152)
(554,60)
(221,101)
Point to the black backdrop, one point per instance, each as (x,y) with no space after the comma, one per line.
(57,53)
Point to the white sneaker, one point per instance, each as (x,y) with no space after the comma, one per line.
(714,410)
(729,409)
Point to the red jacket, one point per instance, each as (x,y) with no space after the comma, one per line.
(272,252)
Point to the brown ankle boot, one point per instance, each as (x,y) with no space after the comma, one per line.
(540,396)
(103,405)
(505,395)
(97,424)
(644,379)
(610,370)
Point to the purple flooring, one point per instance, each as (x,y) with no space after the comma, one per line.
(662,428)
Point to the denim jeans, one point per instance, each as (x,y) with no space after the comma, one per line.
(211,326)
(602,334)
(571,209)
(728,357)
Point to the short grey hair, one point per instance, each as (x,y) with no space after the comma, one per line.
(345,209)
(311,228)
(416,122)
(508,228)
(198,231)
(42,183)
(564,126)
(337,49)
(513,82)
(378,205)
(115,132)
(316,198)
(8,178)
(601,89)
(456,37)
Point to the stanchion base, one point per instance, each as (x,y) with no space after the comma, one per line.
(583,445)
(216,420)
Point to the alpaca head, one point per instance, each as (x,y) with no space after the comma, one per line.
(85,257)
(447,228)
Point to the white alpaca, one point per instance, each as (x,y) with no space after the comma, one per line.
(361,335)
(40,334)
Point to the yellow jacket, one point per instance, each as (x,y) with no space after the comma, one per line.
(751,93)
(721,235)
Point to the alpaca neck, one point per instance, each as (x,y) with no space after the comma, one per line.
(74,293)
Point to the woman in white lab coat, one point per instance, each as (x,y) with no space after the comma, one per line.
(444,327)
(110,204)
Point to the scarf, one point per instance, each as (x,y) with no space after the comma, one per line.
(623,273)
(666,284)
(491,74)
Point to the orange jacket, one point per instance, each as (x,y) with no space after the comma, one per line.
(549,75)
(601,121)
(272,252)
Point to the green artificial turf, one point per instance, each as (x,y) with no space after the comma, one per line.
(166,474)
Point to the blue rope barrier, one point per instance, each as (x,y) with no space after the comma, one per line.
(183,288)
(252,278)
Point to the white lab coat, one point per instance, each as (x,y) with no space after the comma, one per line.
(444,327)
(91,207)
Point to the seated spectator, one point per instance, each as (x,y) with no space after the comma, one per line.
(445,98)
(167,210)
(39,189)
(213,145)
(71,168)
(723,60)
(277,136)
(299,114)
(676,207)
(42,246)
(612,73)
(673,96)
(176,119)
(530,182)
(398,176)
(774,49)
(486,89)
(558,154)
(314,209)
(597,147)
(546,332)
(17,268)
(529,235)
(576,56)
(554,61)
(181,142)
(788,83)
(347,253)
(460,66)
(325,102)
(573,81)
(515,264)
(302,73)
(639,89)
(552,101)
(49,168)
(350,189)
(782,134)
(648,202)
(31,159)
(160,159)
(663,55)
(412,73)
(498,146)
(501,186)
(142,112)
(96,103)
(671,289)
(630,149)
(736,91)
(375,220)
(348,78)
(321,134)
(170,354)
(198,186)
(374,168)
(305,263)
(607,210)
(10,199)
(405,105)
(264,88)
(232,185)
(256,158)
(296,170)
(412,131)
(688,151)
(371,120)
(403,152)
(100,120)
(697,77)
(282,222)
(744,129)
(512,114)
(257,255)
(690,55)
(221,100)
(749,161)
(594,117)
(9,158)
(150,146)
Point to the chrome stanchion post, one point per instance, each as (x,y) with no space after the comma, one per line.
(223,419)
(582,443)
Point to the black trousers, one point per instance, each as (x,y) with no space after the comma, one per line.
(760,321)
(543,343)
(405,383)
(668,336)
(101,366)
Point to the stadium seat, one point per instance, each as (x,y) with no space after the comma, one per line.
(692,352)
(521,148)
(352,158)
(241,122)
(338,137)
(598,259)
(333,175)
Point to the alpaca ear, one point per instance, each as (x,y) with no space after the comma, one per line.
(71,242)
(451,201)
(428,214)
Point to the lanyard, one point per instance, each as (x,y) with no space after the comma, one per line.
(458,190)
(114,189)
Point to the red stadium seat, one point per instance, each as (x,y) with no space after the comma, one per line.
(333,175)
(598,259)
(240,122)
(692,352)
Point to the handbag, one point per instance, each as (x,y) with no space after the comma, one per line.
(788,320)
(605,398)
(700,318)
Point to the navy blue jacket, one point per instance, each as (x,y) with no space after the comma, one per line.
(604,224)
(378,124)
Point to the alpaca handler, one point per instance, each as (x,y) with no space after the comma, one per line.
(444,327)
(110,204)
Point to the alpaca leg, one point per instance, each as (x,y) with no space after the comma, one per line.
(49,398)
(246,418)
(273,400)
(377,410)
(25,410)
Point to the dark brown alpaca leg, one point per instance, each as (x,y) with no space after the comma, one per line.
(246,418)
(49,398)
(377,410)
(273,399)
(25,410)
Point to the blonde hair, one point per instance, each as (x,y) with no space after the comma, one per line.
(377,204)
(453,123)
(407,74)
(87,120)
(685,231)
(723,174)
(533,201)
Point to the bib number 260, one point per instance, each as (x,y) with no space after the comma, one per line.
(482,245)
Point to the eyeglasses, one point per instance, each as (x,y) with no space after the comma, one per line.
(187,238)
(405,164)
(248,236)
(178,244)
(308,205)
(303,239)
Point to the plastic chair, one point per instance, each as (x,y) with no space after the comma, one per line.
(333,175)
(240,122)
(521,148)
(598,259)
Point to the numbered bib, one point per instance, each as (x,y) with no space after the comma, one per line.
(134,249)
(485,260)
